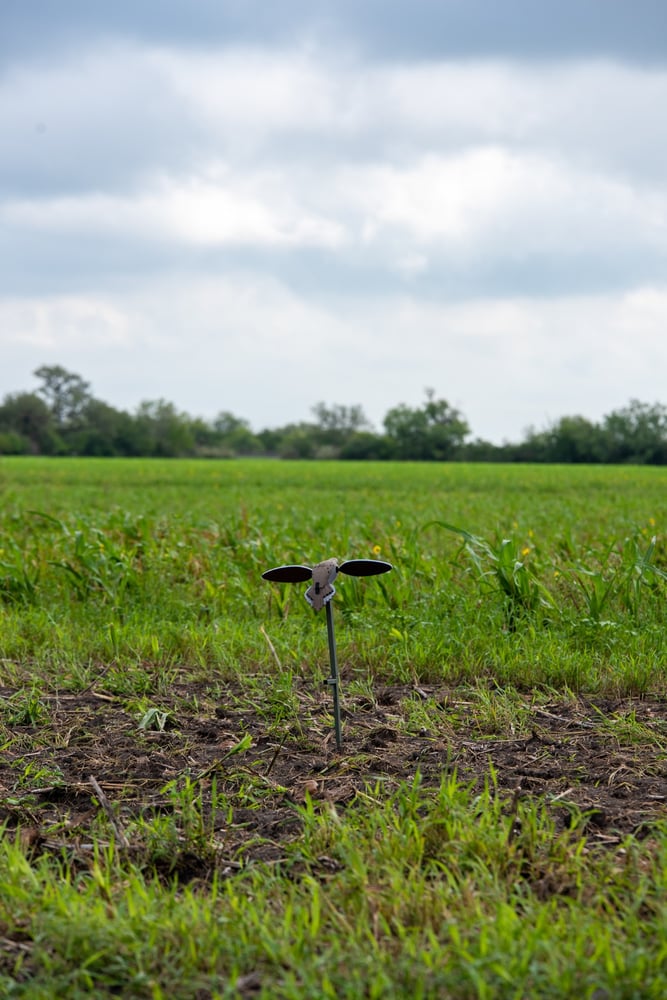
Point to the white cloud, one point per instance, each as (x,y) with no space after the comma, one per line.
(66,323)
(489,199)
(256,91)
(478,204)
(213,209)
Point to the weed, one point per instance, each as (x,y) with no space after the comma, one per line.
(504,565)
(625,577)
(19,576)
(35,775)
(26,708)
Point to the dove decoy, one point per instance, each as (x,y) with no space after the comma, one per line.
(323,575)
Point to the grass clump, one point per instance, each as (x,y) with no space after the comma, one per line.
(429,892)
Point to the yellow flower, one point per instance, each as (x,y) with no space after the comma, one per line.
(376,550)
(651,521)
(525,550)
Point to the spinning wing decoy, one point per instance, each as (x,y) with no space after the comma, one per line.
(323,575)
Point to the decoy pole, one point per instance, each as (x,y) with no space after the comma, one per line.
(333,678)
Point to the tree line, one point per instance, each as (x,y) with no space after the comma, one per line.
(62,417)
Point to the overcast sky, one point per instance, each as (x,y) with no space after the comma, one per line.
(255,205)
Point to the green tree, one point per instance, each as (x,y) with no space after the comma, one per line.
(432,432)
(205,436)
(105,431)
(575,440)
(163,430)
(366,446)
(339,420)
(480,450)
(637,434)
(235,434)
(297,441)
(227,423)
(334,427)
(269,439)
(26,415)
(65,394)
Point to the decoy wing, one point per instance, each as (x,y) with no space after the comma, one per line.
(364,567)
(288,574)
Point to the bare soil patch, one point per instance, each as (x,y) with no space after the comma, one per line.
(567,753)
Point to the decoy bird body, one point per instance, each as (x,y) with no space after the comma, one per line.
(322,589)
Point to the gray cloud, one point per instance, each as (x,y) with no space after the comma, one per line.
(472,169)
(99,120)
(421,29)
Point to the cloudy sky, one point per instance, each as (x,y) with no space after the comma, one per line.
(255,205)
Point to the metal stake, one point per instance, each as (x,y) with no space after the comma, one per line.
(333,679)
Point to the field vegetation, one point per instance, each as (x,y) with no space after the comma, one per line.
(177,820)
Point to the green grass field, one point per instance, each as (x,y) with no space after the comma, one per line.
(177,819)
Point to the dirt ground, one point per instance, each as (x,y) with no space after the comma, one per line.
(90,757)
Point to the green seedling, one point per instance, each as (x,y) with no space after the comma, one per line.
(155,719)
(26,708)
(319,595)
